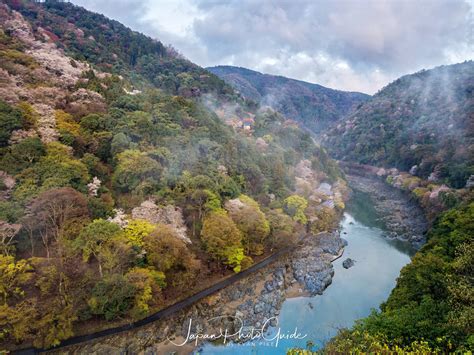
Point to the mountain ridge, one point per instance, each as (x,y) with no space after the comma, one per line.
(313,105)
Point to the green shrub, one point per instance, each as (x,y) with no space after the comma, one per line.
(112,297)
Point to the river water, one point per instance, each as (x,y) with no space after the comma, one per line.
(352,294)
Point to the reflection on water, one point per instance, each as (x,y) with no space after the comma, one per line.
(353,293)
(361,208)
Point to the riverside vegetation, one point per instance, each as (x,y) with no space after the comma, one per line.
(421,123)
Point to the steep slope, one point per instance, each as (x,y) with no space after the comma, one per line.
(114,48)
(315,106)
(120,195)
(422,122)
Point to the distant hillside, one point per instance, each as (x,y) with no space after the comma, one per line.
(422,122)
(313,105)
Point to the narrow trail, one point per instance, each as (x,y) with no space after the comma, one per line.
(168,311)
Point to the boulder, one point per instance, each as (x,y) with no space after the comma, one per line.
(259,308)
(348,263)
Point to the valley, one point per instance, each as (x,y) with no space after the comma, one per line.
(146,201)
(313,106)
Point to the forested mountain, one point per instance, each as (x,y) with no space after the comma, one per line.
(121,191)
(422,123)
(114,48)
(315,106)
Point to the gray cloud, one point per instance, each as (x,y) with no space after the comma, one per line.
(346,44)
(129,11)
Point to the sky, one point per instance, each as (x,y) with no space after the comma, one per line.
(355,45)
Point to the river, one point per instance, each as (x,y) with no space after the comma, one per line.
(352,294)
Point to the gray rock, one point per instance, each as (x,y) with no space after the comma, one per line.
(400,215)
(279,274)
(348,263)
(269,286)
(259,307)
(330,243)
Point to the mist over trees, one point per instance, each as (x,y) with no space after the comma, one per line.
(420,123)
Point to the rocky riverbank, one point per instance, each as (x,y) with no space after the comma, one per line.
(250,303)
(402,217)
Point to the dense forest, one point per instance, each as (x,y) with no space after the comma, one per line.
(120,191)
(131,178)
(422,123)
(314,106)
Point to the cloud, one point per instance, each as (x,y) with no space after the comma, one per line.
(345,44)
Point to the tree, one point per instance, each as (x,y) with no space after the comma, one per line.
(23,155)
(59,168)
(10,120)
(461,290)
(134,168)
(220,236)
(7,235)
(199,203)
(136,230)
(13,276)
(30,116)
(167,253)
(148,284)
(55,311)
(112,297)
(93,123)
(295,206)
(49,212)
(234,256)
(141,126)
(104,241)
(322,219)
(228,188)
(251,221)
(15,312)
(282,228)
(205,201)
(66,124)
(120,143)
